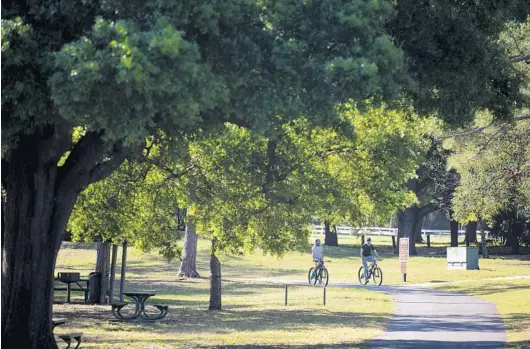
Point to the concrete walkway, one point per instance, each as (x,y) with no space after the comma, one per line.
(426,319)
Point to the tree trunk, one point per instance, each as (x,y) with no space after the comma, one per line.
(454,233)
(215,280)
(471,233)
(188,266)
(513,232)
(102,266)
(40,197)
(417,231)
(113,272)
(407,223)
(484,243)
(331,238)
(36,214)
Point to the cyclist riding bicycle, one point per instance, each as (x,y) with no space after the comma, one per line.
(318,257)
(366,256)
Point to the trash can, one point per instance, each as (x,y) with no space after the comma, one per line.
(462,258)
(94,287)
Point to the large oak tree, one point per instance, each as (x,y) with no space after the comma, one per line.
(122,71)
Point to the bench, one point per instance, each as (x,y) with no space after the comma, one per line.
(71,336)
(117,305)
(161,307)
(163,310)
(57,322)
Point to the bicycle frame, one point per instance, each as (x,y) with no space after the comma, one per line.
(371,269)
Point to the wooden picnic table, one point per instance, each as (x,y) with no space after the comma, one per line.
(140,299)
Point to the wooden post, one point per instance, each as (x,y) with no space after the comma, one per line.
(393,242)
(286,294)
(324,295)
(123,266)
(362,239)
(428,240)
(113,272)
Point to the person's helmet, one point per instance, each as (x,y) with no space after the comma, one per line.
(317,242)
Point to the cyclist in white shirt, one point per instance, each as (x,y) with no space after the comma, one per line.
(318,257)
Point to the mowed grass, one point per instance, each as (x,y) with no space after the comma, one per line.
(344,263)
(254,314)
(512,298)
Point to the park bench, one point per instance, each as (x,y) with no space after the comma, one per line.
(69,337)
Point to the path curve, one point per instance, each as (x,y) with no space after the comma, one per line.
(436,319)
(426,318)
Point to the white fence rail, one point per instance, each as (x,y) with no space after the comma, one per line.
(384,231)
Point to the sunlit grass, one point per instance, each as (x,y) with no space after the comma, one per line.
(254,313)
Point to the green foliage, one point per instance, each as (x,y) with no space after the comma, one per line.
(453,51)
(494,160)
(137,203)
(246,191)
(494,169)
(160,65)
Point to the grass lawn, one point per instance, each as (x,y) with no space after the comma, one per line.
(254,314)
(513,302)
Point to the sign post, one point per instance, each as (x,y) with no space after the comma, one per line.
(404,256)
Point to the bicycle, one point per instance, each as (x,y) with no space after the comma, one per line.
(373,271)
(322,277)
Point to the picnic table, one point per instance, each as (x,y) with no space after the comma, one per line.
(139,299)
(69,279)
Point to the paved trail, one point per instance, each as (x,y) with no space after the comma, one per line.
(425,318)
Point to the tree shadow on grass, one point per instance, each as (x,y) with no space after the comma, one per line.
(233,318)
(493,288)
(525,344)
(518,323)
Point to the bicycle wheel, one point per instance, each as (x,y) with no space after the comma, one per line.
(361,275)
(378,276)
(309,276)
(323,277)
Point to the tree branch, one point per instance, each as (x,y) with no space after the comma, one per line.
(425,210)
(523,58)
(105,168)
(480,129)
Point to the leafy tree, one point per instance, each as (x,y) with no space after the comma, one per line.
(252,191)
(494,173)
(125,71)
(493,158)
(431,41)
(453,49)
